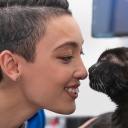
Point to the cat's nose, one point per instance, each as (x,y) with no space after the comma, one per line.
(92,68)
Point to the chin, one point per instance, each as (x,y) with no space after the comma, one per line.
(64,110)
(67,112)
(68,109)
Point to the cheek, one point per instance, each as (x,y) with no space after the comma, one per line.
(49,74)
(57,80)
(61,74)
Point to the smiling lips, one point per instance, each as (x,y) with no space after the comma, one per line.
(72,92)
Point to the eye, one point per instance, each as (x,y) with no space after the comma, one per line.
(67,58)
(101,60)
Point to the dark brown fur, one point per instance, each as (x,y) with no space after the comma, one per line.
(109,75)
(103,121)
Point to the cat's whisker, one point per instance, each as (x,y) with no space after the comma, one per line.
(112,92)
(92,84)
(96,84)
(101,84)
(103,88)
(100,87)
(118,85)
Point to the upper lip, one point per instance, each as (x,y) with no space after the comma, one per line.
(73,86)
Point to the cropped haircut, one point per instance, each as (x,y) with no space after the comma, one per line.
(23,24)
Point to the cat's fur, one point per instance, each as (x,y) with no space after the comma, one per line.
(109,75)
(103,121)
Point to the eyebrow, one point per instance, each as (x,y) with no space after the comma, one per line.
(74,44)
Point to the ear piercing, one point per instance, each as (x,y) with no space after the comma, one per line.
(17,79)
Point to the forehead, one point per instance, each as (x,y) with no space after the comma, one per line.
(61,30)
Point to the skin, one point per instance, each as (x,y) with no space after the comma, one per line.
(87,122)
(42,84)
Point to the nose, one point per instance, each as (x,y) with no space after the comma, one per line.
(81,72)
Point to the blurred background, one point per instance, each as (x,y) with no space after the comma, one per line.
(100,22)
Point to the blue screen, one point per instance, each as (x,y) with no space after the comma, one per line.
(110,18)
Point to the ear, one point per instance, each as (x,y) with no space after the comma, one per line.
(9,65)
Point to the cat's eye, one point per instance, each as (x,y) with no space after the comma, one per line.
(101,60)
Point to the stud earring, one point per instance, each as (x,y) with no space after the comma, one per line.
(17,79)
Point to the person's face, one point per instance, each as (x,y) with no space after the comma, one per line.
(57,69)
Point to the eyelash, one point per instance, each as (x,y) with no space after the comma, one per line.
(67,59)
(81,53)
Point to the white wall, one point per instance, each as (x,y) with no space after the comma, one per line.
(90,102)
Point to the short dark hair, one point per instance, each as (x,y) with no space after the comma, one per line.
(24,22)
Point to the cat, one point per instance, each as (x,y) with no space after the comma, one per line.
(109,75)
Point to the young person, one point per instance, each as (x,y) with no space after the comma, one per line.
(40,63)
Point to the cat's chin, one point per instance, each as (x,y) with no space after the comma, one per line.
(97,85)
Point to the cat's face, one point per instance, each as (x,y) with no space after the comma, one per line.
(110,74)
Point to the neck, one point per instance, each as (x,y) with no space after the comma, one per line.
(120,117)
(14,109)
